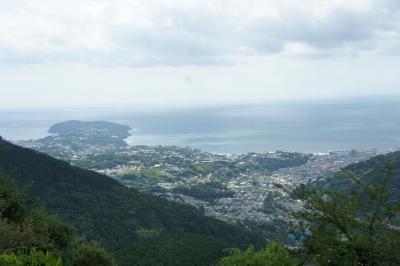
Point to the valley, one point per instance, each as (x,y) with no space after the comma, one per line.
(250,188)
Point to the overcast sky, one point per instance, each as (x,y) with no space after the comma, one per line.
(139,52)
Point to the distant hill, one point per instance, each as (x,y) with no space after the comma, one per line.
(372,168)
(104,210)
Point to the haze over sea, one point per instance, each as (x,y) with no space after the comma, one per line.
(295,126)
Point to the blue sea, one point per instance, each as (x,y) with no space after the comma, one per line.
(295,126)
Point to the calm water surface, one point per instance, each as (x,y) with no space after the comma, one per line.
(305,127)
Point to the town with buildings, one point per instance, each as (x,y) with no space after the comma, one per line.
(252,188)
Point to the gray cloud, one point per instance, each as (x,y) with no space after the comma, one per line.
(151,33)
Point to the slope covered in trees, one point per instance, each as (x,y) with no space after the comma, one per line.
(104,210)
(30,236)
(366,171)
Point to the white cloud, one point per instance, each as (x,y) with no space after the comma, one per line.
(98,52)
(166,32)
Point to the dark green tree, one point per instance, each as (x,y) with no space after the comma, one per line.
(30,236)
(353,227)
(88,254)
(273,255)
(33,258)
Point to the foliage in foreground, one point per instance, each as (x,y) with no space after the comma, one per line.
(33,258)
(354,227)
(272,255)
(30,236)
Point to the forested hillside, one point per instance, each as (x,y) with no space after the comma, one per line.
(104,210)
(366,171)
(30,236)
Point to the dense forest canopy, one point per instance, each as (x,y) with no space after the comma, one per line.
(31,236)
